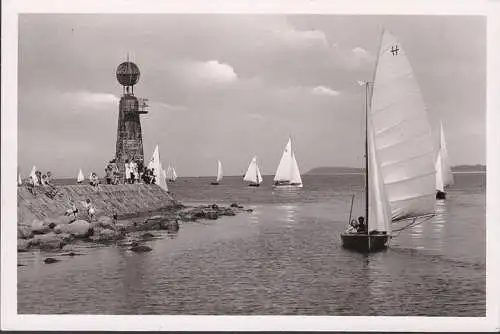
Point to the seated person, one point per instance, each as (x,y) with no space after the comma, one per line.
(361,226)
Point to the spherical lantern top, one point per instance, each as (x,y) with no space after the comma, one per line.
(128,73)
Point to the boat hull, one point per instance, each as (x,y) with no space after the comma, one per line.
(214,183)
(254,185)
(440,195)
(287,184)
(364,243)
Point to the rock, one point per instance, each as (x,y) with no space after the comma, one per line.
(39,227)
(24,232)
(60,220)
(249,210)
(49,241)
(136,247)
(234,205)
(71,254)
(211,215)
(57,229)
(50,260)
(172,225)
(104,235)
(22,245)
(228,212)
(78,228)
(147,236)
(105,222)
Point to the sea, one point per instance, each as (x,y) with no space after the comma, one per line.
(283,258)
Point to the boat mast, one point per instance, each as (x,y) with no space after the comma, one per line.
(366,155)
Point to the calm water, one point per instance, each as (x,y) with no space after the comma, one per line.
(283,258)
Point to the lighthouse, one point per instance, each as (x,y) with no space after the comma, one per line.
(129,134)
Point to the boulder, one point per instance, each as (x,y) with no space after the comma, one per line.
(49,241)
(172,225)
(211,214)
(39,227)
(60,220)
(104,235)
(138,248)
(227,212)
(22,245)
(50,260)
(147,236)
(105,222)
(24,232)
(78,228)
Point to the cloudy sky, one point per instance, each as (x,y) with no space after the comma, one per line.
(230,86)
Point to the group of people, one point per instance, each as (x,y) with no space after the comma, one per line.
(46,181)
(112,172)
(359,225)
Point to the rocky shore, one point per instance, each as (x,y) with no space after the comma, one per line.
(54,234)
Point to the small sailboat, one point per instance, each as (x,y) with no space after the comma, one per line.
(399,163)
(219,174)
(444,175)
(171,174)
(33,176)
(19,180)
(80,177)
(287,173)
(158,171)
(253,175)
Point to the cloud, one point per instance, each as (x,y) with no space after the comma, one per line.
(90,100)
(322,90)
(360,53)
(300,38)
(209,72)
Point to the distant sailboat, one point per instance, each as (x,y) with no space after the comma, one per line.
(80,177)
(444,175)
(287,173)
(400,174)
(219,173)
(33,176)
(171,174)
(253,174)
(158,171)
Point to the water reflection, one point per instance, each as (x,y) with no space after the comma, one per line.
(290,214)
(172,234)
(254,216)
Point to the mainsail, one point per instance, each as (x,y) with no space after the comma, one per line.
(171,174)
(155,164)
(444,175)
(402,135)
(379,211)
(33,176)
(219,171)
(288,169)
(80,176)
(253,173)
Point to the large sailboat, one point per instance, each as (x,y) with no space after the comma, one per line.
(399,163)
(158,171)
(171,174)
(444,175)
(219,174)
(253,176)
(287,173)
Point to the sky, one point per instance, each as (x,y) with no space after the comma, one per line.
(228,87)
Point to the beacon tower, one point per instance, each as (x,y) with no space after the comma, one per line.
(129,135)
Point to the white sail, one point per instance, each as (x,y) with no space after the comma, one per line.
(402,134)
(155,164)
(19,180)
(379,211)
(253,173)
(80,177)
(288,169)
(447,174)
(171,174)
(33,176)
(439,173)
(285,166)
(219,171)
(295,173)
